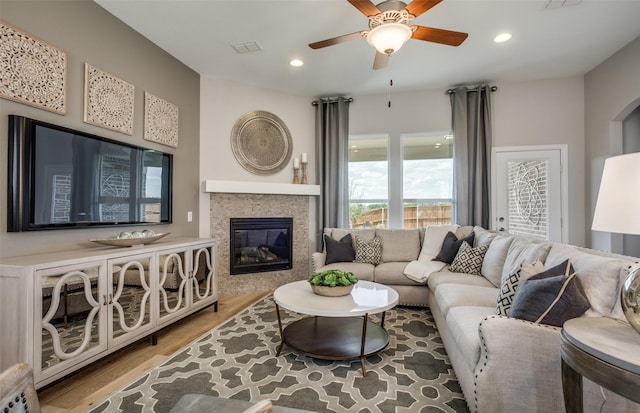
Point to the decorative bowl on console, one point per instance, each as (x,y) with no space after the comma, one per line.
(332,283)
(129,239)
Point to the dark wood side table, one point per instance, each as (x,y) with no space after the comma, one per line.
(604,350)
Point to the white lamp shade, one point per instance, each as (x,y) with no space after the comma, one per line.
(388,38)
(618,205)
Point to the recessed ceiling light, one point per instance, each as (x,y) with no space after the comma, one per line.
(296,62)
(448,137)
(502,37)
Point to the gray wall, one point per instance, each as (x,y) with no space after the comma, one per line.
(87,33)
(543,112)
(612,93)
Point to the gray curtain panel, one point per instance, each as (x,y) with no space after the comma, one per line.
(332,139)
(471,119)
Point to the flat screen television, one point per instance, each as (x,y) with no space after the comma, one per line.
(63,178)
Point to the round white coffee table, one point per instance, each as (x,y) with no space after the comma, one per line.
(340,328)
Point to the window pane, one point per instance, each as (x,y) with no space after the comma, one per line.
(427,179)
(368,181)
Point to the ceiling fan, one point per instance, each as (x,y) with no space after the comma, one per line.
(389,28)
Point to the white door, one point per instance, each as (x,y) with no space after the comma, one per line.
(529,183)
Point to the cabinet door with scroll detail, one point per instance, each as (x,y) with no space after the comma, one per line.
(173,283)
(204,282)
(72,305)
(130,297)
(528,193)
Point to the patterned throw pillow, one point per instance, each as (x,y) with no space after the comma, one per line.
(468,259)
(509,286)
(368,252)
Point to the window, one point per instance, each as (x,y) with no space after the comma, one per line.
(368,181)
(404,183)
(427,179)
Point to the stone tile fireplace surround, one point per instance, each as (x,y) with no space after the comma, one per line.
(224,206)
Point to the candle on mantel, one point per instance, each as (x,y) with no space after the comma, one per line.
(304,157)
(296,163)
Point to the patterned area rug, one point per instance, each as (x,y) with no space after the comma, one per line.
(238,360)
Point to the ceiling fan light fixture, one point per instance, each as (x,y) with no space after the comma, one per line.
(388,38)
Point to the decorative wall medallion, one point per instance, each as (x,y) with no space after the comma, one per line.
(108,101)
(160,120)
(261,142)
(31,71)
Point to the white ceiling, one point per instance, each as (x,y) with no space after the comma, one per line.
(548,42)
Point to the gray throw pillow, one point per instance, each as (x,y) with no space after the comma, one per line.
(451,245)
(339,251)
(551,297)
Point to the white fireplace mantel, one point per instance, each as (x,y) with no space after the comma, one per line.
(271,188)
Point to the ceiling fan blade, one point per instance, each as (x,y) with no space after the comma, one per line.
(381,61)
(366,7)
(441,36)
(417,7)
(336,40)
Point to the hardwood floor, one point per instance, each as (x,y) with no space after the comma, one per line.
(89,385)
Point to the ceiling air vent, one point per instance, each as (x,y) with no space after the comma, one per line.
(246,47)
(556,4)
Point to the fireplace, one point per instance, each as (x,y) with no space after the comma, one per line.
(260,245)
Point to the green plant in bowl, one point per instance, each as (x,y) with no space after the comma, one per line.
(333,278)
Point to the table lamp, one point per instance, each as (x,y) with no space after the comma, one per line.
(618,210)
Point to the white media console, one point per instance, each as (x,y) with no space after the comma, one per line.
(63,310)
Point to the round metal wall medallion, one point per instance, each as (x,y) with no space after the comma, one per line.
(261,142)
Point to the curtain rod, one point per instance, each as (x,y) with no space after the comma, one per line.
(450,91)
(331,100)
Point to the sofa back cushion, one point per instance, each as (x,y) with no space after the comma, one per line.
(599,275)
(495,258)
(399,244)
(433,238)
(339,233)
(484,236)
(524,249)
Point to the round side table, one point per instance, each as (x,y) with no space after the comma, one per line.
(604,350)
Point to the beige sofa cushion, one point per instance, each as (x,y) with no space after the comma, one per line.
(495,257)
(523,249)
(462,323)
(447,277)
(433,237)
(483,236)
(392,273)
(457,295)
(599,276)
(339,233)
(399,244)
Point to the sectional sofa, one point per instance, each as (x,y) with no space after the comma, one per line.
(505,360)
